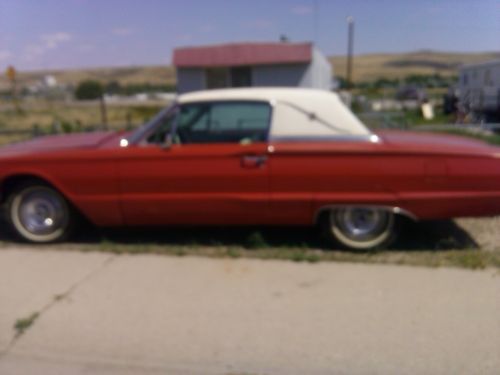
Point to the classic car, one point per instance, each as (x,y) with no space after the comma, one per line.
(258,156)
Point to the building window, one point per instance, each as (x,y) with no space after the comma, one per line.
(216,78)
(241,77)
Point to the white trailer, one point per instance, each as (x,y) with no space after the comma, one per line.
(479,86)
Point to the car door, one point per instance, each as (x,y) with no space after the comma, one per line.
(214,172)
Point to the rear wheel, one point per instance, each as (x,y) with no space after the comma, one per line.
(360,228)
(39,214)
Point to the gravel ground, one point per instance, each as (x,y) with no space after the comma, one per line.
(486,232)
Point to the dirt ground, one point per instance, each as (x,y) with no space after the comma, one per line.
(472,243)
(486,232)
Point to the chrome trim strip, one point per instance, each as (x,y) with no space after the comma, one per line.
(371,138)
(394,209)
(402,211)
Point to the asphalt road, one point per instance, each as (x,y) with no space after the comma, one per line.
(148,314)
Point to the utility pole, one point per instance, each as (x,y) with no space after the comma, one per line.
(104,112)
(350,43)
(316,22)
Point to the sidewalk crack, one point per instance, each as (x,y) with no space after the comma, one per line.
(23,325)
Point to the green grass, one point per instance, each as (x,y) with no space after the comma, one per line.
(430,244)
(415,118)
(470,258)
(426,244)
(255,240)
(441,254)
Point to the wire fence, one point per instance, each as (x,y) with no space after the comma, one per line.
(9,134)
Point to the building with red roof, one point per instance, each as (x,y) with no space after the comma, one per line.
(251,65)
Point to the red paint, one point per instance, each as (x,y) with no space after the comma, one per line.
(243,54)
(430,176)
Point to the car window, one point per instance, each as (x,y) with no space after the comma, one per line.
(237,122)
(164,127)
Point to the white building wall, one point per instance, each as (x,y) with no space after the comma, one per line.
(479,86)
(190,80)
(322,71)
(317,74)
(279,75)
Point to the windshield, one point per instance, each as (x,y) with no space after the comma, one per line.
(145,129)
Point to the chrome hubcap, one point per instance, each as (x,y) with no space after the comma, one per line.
(40,212)
(359,223)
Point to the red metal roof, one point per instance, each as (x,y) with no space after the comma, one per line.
(242,54)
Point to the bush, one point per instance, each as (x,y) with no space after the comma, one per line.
(255,240)
(89,90)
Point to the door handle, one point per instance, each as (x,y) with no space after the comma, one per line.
(253,161)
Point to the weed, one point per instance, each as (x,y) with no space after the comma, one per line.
(59,297)
(233,253)
(22,325)
(255,240)
(298,256)
(313,258)
(180,252)
(470,259)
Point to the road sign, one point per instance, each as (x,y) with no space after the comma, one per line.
(11,73)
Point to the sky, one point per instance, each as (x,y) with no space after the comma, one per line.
(60,34)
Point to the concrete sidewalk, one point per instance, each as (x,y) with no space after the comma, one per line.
(147,314)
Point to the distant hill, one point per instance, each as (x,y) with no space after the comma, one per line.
(388,65)
(160,75)
(366,68)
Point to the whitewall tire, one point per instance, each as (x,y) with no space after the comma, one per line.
(360,228)
(39,214)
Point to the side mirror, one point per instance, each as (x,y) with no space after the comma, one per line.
(168,142)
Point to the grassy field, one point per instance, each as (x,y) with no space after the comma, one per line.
(74,115)
(125,75)
(373,66)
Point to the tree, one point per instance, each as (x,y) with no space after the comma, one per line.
(113,87)
(91,90)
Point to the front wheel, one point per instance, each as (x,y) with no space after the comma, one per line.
(360,228)
(39,214)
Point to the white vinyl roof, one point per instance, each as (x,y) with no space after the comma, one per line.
(297,113)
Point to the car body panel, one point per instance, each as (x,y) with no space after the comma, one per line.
(194,184)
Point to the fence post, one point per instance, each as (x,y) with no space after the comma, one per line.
(36,130)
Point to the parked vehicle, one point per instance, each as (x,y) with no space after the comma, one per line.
(248,157)
(479,91)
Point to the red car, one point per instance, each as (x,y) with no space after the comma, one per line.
(248,157)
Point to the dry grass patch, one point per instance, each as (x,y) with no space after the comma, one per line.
(466,243)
